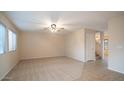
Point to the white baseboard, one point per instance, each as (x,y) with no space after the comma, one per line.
(75,59)
(24,59)
(115,70)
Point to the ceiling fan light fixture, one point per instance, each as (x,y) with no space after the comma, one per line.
(53,28)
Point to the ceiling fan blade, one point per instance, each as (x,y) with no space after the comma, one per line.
(58,30)
(61,28)
(44,29)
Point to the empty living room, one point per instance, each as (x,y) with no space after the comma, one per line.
(61,46)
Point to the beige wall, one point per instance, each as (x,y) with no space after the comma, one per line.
(116,44)
(74,43)
(39,45)
(8,60)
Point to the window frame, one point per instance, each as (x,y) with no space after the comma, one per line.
(13,32)
(5,38)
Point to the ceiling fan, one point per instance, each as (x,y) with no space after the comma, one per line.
(54,28)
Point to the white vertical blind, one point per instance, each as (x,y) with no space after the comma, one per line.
(2,38)
(12,40)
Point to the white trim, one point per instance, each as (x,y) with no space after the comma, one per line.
(115,70)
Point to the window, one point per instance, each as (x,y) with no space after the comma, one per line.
(2,38)
(12,40)
(7,39)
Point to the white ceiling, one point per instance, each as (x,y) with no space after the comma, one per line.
(71,21)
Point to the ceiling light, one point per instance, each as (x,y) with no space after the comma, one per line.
(53,28)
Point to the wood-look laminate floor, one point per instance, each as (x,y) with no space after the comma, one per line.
(61,69)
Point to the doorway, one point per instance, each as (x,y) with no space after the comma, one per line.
(101,50)
(99,45)
(106,49)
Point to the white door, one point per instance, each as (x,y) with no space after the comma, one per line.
(90,45)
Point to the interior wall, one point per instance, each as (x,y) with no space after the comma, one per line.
(9,59)
(75,45)
(116,44)
(39,45)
